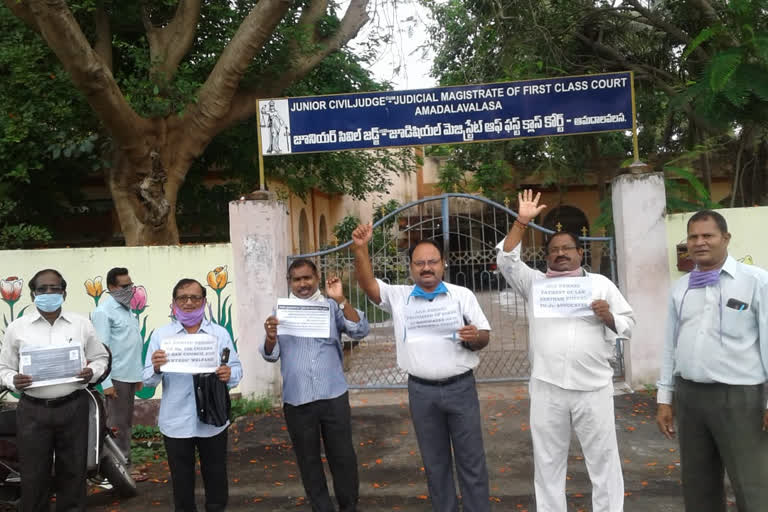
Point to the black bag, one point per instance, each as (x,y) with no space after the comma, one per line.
(212,396)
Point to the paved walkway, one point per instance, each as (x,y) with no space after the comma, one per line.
(263,473)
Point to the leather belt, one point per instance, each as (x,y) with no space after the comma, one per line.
(440,382)
(51,402)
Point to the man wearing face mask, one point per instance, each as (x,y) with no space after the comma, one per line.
(51,418)
(713,371)
(315,396)
(571,383)
(118,328)
(439,327)
(182,430)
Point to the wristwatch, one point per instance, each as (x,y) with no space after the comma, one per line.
(342,304)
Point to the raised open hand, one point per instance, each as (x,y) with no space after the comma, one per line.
(362,235)
(528,206)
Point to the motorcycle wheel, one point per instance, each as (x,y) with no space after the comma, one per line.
(118,475)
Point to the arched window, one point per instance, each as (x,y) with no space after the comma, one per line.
(322,232)
(303,232)
(567,218)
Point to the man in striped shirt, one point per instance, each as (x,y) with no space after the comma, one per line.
(315,396)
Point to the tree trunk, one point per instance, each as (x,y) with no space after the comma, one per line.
(144,185)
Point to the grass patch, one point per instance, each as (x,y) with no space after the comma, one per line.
(147,445)
(247,406)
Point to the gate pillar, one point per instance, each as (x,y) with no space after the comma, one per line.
(260,234)
(639,206)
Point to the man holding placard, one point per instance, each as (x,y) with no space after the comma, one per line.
(189,345)
(305,335)
(439,327)
(44,356)
(574,319)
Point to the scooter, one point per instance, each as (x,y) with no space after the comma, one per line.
(104,456)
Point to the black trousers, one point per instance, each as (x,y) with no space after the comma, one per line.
(213,468)
(332,420)
(41,431)
(720,429)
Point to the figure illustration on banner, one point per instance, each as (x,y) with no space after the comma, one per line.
(274,117)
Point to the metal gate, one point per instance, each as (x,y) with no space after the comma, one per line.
(468,228)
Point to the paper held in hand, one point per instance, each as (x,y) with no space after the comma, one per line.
(562,297)
(432,320)
(50,365)
(304,318)
(192,353)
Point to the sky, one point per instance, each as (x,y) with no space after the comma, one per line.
(408,21)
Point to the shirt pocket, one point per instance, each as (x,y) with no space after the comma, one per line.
(737,324)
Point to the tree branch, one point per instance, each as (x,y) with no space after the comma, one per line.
(709,12)
(243,104)
(20,9)
(216,94)
(169,44)
(103,42)
(669,28)
(353,20)
(89,72)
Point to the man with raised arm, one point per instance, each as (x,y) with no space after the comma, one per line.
(439,328)
(571,382)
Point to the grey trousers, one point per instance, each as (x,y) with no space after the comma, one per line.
(720,428)
(448,428)
(120,415)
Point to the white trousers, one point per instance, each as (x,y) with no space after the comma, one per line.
(553,411)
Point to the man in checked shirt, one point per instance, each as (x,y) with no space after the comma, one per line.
(315,396)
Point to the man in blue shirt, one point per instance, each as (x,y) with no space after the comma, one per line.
(315,396)
(178,421)
(715,363)
(118,328)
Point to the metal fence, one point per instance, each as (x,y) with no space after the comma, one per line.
(468,228)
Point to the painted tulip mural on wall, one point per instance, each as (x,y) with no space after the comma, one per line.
(10,290)
(94,288)
(218,279)
(138,305)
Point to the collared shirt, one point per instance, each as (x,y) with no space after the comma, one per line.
(571,353)
(118,328)
(33,329)
(707,341)
(178,411)
(312,368)
(434,357)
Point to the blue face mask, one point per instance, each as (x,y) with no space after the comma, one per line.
(49,302)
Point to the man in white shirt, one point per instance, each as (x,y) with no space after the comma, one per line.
(52,418)
(439,327)
(714,366)
(572,380)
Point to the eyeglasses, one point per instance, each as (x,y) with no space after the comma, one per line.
(422,264)
(556,250)
(125,286)
(48,289)
(183,299)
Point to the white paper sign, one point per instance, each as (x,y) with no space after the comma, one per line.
(50,365)
(562,297)
(432,320)
(304,318)
(191,353)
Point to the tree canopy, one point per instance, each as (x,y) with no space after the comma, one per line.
(700,67)
(155,93)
